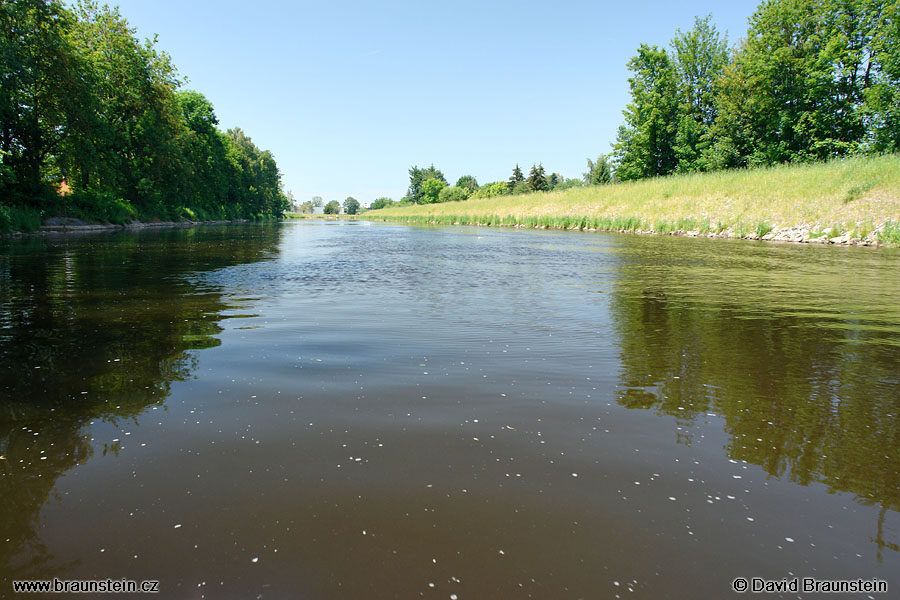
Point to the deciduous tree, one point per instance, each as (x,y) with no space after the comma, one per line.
(351,206)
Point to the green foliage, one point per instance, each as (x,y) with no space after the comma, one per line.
(42,105)
(84,103)
(103,206)
(598,172)
(645,143)
(857,191)
(890,233)
(568,184)
(307,208)
(522,187)
(515,179)
(762,228)
(431,190)
(812,80)
(882,104)
(381,203)
(418,177)
(453,194)
(332,208)
(351,206)
(699,57)
(797,87)
(19,218)
(468,182)
(536,179)
(491,190)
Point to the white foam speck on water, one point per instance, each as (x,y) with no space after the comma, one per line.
(255,559)
(672,498)
(791,540)
(574,474)
(177,525)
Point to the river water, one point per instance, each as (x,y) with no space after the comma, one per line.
(351,410)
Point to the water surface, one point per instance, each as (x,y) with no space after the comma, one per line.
(346,410)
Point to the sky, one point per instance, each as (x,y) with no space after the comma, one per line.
(349,95)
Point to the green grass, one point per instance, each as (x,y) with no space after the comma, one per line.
(19,218)
(835,197)
(890,234)
(762,228)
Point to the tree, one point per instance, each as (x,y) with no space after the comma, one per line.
(491,190)
(351,206)
(553,180)
(516,178)
(570,183)
(417,177)
(380,203)
(699,57)
(45,97)
(468,182)
(536,179)
(521,188)
(799,86)
(599,172)
(645,143)
(453,194)
(431,189)
(317,201)
(882,105)
(137,147)
(332,208)
(307,208)
(87,107)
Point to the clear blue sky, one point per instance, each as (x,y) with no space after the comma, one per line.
(349,95)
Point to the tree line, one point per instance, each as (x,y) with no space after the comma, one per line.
(812,80)
(95,123)
(428,185)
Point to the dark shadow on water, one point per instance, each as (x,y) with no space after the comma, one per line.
(802,367)
(95,328)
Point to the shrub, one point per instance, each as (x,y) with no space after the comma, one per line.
(100,206)
(24,219)
(453,194)
(490,190)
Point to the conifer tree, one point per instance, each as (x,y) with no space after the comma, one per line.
(516,177)
(536,179)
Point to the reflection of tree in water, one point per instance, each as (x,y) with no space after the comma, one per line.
(811,403)
(95,328)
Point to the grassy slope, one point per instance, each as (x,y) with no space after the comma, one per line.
(855,196)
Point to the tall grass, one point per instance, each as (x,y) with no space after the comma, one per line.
(19,218)
(843,193)
(891,233)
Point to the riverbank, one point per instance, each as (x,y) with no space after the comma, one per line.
(851,202)
(70,225)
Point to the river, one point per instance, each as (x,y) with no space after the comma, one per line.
(351,410)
